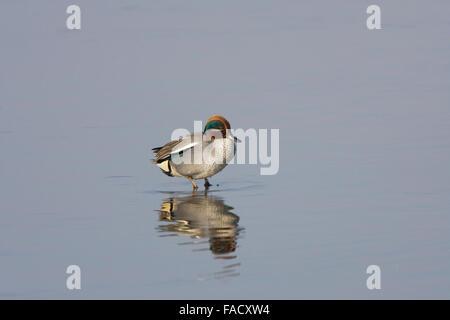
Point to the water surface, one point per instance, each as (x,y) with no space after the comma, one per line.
(364,150)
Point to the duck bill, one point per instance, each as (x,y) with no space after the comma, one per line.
(233,137)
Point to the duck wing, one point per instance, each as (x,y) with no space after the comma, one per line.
(176,147)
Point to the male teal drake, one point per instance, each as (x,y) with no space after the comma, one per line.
(198,155)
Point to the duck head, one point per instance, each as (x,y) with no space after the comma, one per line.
(216,124)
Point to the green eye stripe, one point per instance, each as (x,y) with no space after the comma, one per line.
(215,124)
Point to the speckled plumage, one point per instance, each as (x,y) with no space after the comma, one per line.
(198,155)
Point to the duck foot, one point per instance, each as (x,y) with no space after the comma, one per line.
(194,185)
(207,184)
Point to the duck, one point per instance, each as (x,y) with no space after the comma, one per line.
(199,155)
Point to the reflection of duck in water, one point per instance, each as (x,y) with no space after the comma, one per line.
(202,216)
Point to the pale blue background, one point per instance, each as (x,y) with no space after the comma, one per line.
(365,149)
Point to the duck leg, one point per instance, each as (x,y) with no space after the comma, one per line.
(207,184)
(193,183)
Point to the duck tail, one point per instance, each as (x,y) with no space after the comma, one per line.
(163,164)
(165,167)
(155,151)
